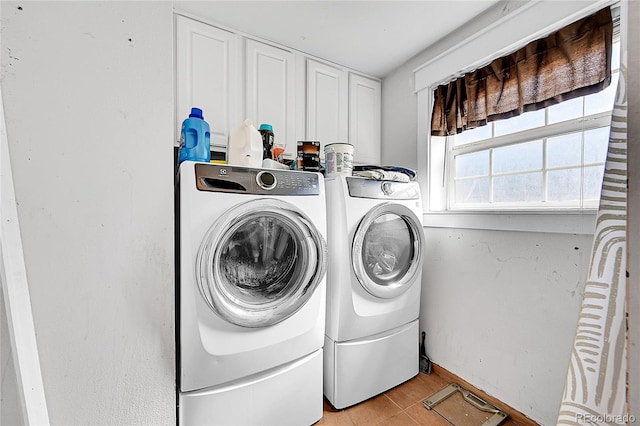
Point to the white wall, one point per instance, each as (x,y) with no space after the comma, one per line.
(399,122)
(499,308)
(88,96)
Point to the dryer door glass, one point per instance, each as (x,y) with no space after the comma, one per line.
(387,250)
(260,263)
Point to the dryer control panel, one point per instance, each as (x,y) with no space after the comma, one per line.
(245,180)
(382,190)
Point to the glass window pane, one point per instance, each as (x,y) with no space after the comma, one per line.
(593,182)
(528,120)
(514,188)
(472,190)
(563,185)
(565,150)
(596,142)
(519,157)
(473,135)
(474,164)
(566,110)
(603,100)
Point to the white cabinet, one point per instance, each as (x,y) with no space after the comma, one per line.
(364,118)
(270,91)
(232,77)
(327,104)
(344,107)
(207,77)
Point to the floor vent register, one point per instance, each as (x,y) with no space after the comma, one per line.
(462,408)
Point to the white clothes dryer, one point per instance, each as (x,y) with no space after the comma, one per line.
(251,296)
(375,246)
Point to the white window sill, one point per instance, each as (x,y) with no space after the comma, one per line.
(555,222)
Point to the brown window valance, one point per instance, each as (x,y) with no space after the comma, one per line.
(572,62)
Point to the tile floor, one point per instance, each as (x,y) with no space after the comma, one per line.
(400,406)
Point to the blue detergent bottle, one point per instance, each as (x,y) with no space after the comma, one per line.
(195,138)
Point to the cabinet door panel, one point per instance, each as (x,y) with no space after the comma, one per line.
(270,89)
(326,104)
(206,72)
(364,118)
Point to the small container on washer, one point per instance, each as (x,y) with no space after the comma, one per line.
(339,159)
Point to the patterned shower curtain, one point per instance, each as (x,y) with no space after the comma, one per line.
(595,390)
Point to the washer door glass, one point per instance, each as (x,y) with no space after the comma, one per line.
(387,250)
(260,262)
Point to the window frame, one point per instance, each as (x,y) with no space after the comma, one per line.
(495,33)
(582,124)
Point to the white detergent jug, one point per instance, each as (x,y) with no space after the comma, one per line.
(245,146)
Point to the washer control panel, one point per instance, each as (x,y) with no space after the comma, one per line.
(236,179)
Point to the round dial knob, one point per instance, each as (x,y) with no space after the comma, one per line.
(266,180)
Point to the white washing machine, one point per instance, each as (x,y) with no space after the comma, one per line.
(251,295)
(375,246)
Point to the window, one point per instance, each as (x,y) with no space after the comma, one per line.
(546,159)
